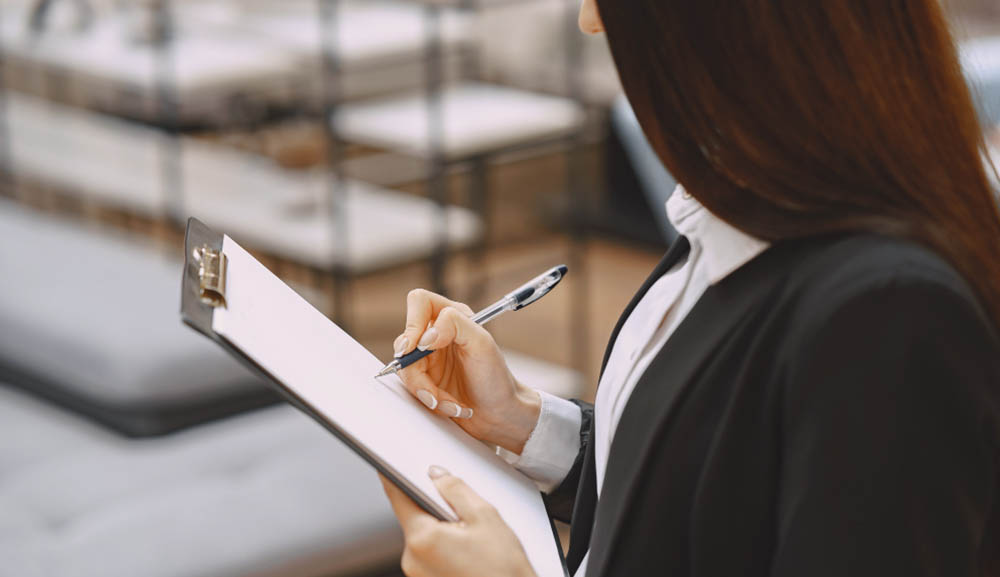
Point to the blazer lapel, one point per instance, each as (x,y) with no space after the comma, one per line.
(654,401)
(677,251)
(586,494)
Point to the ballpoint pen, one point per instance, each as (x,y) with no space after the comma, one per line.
(515,300)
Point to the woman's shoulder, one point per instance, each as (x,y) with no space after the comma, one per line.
(876,318)
(877,287)
(838,271)
(846,264)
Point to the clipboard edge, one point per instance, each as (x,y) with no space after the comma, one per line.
(343,436)
(199,316)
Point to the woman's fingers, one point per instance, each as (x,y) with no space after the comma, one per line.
(454,326)
(422,307)
(467,503)
(421,386)
(480,544)
(434,322)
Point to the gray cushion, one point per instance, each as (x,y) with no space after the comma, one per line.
(269,492)
(91,318)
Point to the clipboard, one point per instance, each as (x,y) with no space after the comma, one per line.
(205,286)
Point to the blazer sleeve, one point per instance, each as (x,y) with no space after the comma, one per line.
(560,501)
(889,456)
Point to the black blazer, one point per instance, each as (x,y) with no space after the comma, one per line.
(832,408)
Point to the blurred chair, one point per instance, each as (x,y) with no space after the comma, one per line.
(656,183)
(380,43)
(115,63)
(981,62)
(109,162)
(461,121)
(91,321)
(38,18)
(266,493)
(475,120)
(212,63)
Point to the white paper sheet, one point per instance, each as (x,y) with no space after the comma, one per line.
(331,372)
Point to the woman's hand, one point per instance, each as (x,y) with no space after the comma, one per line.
(480,544)
(466,378)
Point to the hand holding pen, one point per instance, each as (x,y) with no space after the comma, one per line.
(466,377)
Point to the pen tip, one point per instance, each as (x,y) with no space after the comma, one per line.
(386,371)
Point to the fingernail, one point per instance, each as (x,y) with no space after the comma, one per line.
(427,399)
(401,345)
(455,411)
(435,472)
(430,335)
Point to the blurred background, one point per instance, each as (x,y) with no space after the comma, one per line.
(359,148)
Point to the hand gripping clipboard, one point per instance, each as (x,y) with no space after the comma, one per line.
(228,296)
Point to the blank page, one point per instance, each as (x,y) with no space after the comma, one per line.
(331,372)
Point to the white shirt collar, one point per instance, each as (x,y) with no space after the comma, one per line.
(724,248)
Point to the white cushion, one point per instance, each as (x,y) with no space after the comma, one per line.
(476,119)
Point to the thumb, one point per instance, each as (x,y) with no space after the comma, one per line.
(467,503)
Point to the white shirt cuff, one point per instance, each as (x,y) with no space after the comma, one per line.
(550,451)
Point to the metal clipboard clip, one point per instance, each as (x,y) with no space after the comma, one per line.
(211,275)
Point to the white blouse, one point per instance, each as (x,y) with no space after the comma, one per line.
(717,249)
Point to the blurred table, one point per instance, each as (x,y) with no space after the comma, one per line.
(207,73)
(284,213)
(226,62)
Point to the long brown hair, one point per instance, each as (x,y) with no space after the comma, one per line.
(795,118)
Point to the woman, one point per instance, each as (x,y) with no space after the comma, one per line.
(809,382)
